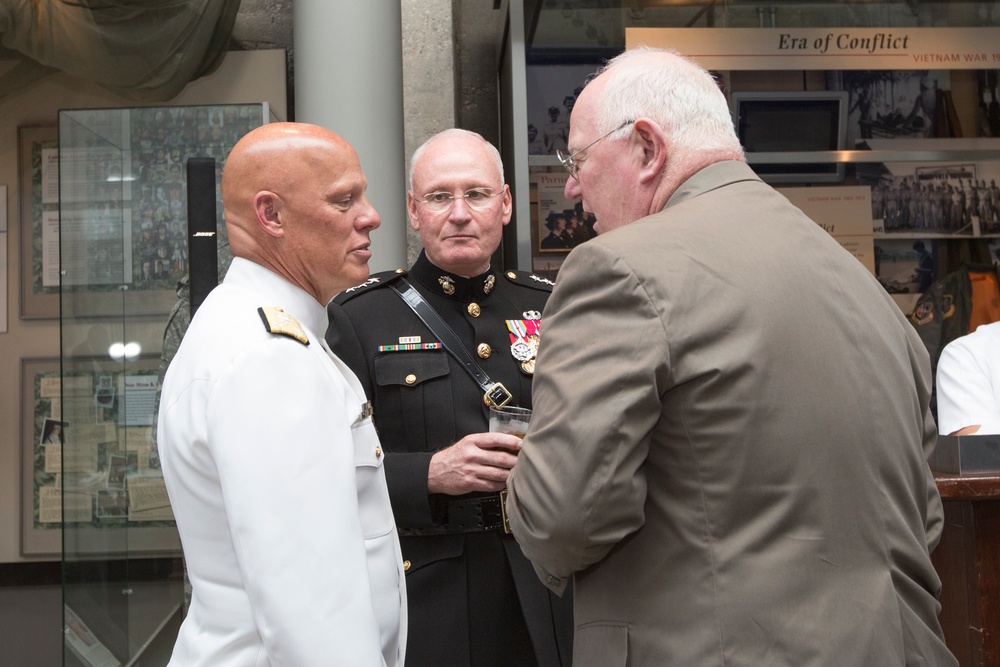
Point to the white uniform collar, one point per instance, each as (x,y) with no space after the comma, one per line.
(274,290)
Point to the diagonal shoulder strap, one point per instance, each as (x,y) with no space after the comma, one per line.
(494,393)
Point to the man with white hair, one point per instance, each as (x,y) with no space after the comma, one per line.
(727,455)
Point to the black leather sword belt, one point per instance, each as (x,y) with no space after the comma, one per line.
(464,515)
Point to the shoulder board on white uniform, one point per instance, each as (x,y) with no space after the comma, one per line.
(528,279)
(279,322)
(374,281)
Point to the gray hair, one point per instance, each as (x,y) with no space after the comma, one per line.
(672,90)
(453,132)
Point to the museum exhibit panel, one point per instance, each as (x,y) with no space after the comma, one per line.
(888,98)
(109,197)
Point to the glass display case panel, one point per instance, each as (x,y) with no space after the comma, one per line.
(123,264)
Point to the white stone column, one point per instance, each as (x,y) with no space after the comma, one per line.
(349,78)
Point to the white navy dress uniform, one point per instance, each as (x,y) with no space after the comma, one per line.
(275,477)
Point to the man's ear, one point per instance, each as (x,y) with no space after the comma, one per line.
(267,207)
(653,141)
(508,204)
(411,210)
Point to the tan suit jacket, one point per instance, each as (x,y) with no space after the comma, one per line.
(728,452)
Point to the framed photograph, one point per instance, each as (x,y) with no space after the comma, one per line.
(82,456)
(561,223)
(552,91)
(948,200)
(112,504)
(942,199)
(891,104)
(905,266)
(52,432)
(38,174)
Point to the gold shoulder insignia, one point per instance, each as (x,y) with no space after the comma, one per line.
(277,321)
(526,279)
(375,281)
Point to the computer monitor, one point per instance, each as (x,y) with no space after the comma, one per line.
(778,122)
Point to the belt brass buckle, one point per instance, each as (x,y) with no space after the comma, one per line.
(503,511)
(497,396)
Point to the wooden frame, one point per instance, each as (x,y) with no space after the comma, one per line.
(96,533)
(37,301)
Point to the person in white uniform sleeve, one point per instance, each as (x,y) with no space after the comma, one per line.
(968,383)
(288,538)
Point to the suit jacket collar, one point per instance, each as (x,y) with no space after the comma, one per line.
(710,178)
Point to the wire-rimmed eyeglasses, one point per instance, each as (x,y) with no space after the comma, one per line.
(572,162)
(477,199)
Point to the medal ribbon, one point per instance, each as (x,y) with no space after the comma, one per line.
(517,329)
(522,329)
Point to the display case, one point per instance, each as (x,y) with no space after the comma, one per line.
(123,238)
(921,110)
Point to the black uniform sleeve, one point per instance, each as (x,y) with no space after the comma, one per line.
(343,340)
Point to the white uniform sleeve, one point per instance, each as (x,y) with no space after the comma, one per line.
(966,390)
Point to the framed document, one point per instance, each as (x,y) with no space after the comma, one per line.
(89,486)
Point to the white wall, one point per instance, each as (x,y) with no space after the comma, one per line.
(243,77)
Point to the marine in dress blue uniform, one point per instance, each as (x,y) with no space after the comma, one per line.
(474,598)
